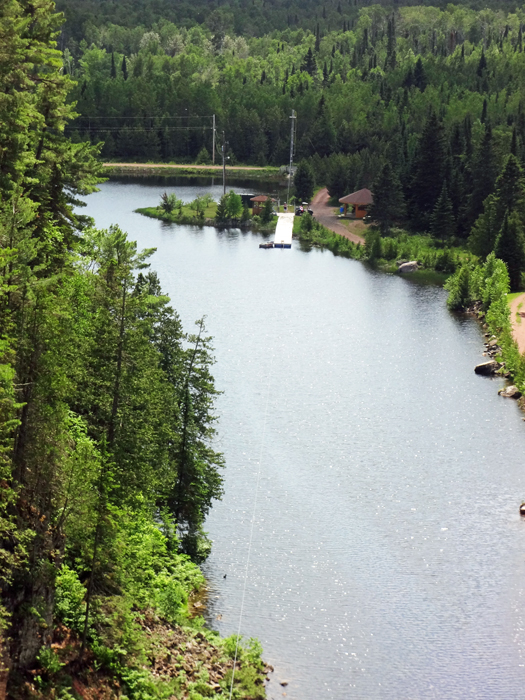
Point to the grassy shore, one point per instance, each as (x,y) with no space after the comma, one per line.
(187,217)
(186,170)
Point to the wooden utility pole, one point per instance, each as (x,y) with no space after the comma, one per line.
(292,135)
(213,146)
(224,142)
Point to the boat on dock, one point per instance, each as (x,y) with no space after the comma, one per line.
(267,245)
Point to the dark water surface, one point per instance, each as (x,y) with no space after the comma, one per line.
(387,558)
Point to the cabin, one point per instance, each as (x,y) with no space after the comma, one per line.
(358,203)
(258,203)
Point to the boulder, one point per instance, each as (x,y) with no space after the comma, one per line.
(487,368)
(408,266)
(511,392)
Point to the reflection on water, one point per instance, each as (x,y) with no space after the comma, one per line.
(387,557)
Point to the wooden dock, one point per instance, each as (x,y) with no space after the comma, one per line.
(284,230)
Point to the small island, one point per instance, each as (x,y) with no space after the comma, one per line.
(229,212)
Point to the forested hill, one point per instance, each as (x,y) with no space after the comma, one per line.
(246,17)
(437,94)
(107,459)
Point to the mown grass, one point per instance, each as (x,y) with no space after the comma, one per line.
(183,216)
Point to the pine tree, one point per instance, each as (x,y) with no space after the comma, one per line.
(429,170)
(304,182)
(483,175)
(510,247)
(484,111)
(124,68)
(113,71)
(482,65)
(309,64)
(442,223)
(420,77)
(389,202)
(507,198)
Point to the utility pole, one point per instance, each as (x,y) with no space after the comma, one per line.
(292,134)
(223,164)
(213,146)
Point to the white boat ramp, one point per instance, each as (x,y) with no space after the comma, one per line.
(284,230)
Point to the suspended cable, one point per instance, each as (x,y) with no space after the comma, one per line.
(251,532)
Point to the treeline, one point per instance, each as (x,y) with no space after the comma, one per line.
(247,17)
(107,465)
(363,96)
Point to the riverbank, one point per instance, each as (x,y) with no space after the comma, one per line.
(188,170)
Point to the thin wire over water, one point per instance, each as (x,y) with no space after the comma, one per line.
(258,481)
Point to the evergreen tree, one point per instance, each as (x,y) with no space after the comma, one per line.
(483,175)
(482,65)
(267,212)
(389,202)
(442,223)
(420,77)
(429,170)
(508,197)
(113,71)
(510,247)
(304,182)
(309,65)
(124,68)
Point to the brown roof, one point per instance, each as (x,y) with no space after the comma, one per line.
(260,198)
(363,196)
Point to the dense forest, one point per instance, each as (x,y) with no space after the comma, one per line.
(107,459)
(437,94)
(107,465)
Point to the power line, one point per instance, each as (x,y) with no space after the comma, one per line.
(137,128)
(153,116)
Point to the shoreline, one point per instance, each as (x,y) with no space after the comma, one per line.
(189,170)
(152,213)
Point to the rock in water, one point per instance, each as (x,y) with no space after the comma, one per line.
(511,392)
(487,368)
(408,266)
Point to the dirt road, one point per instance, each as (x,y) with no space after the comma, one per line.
(517,305)
(324,213)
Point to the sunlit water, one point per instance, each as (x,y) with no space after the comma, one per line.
(387,558)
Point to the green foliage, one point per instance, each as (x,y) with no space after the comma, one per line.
(373,244)
(169,202)
(442,224)
(510,247)
(389,202)
(222,211)
(233,204)
(267,212)
(203,157)
(304,182)
(49,661)
(199,205)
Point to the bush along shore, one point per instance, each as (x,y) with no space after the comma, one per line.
(203,211)
(385,252)
(475,287)
(483,289)
(142,641)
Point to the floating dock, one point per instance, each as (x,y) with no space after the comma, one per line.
(284,230)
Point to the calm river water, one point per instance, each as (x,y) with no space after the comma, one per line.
(387,558)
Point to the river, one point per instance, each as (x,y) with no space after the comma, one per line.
(387,557)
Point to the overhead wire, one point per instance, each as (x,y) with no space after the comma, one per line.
(243,598)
